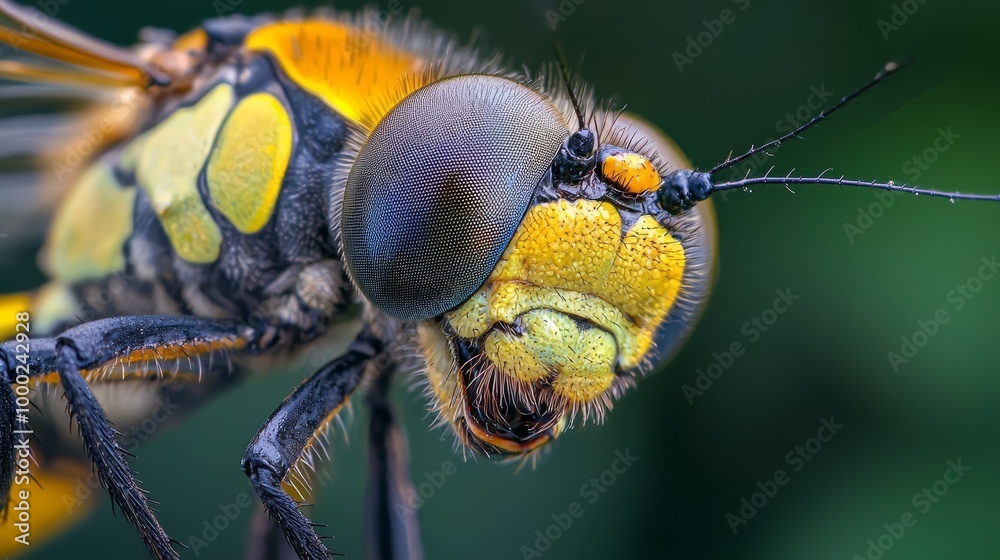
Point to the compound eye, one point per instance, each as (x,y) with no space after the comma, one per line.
(630,172)
(440,187)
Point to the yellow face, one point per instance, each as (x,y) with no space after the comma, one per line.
(567,318)
(538,262)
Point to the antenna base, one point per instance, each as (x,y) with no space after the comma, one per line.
(684,188)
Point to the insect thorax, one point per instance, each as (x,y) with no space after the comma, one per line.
(219,200)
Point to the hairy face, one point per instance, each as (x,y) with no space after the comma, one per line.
(593,289)
(541,268)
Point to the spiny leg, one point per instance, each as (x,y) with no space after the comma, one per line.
(266,541)
(101,442)
(281,441)
(117,340)
(392,529)
(8,417)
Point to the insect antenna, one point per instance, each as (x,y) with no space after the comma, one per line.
(886,71)
(568,82)
(684,188)
(577,156)
(820,180)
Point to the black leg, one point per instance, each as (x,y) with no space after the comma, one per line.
(392,529)
(8,441)
(126,340)
(287,435)
(266,541)
(101,442)
(93,346)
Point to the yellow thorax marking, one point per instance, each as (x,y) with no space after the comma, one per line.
(249,162)
(572,257)
(167,162)
(357,73)
(88,235)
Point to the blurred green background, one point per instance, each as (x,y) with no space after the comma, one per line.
(825,356)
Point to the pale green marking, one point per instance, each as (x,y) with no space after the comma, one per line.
(87,237)
(168,160)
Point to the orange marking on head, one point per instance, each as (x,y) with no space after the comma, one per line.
(631,172)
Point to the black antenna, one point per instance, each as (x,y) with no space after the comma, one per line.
(568,82)
(890,186)
(578,156)
(684,188)
(887,71)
